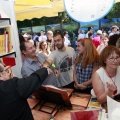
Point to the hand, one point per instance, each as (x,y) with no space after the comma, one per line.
(111,86)
(49,70)
(80,86)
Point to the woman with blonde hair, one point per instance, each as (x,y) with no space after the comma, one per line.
(86,64)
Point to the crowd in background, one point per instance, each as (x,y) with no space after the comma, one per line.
(87,46)
(71,37)
(89,64)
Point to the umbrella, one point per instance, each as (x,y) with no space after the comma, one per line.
(28,9)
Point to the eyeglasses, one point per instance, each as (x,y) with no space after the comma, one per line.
(58,40)
(113,59)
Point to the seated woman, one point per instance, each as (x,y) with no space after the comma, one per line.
(44,51)
(106,80)
(85,65)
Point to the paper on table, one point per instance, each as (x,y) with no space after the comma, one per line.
(103,116)
(112,105)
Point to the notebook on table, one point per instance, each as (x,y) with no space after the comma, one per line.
(85,115)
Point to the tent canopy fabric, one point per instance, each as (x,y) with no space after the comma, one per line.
(117,1)
(28,9)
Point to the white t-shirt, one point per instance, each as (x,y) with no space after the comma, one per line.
(64,63)
(43,56)
(66,42)
(81,36)
(42,37)
(87,35)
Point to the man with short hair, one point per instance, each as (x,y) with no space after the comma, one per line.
(90,29)
(42,36)
(32,63)
(63,59)
(14,93)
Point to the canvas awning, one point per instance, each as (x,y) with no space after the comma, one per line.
(117,1)
(28,9)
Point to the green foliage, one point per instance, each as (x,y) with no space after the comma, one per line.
(38,21)
(61,18)
(115,11)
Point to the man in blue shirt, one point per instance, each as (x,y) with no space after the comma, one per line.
(32,62)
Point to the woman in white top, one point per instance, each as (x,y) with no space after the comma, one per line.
(106,80)
(44,51)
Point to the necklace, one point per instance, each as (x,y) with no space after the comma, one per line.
(115,92)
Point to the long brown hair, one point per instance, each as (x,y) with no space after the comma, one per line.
(90,55)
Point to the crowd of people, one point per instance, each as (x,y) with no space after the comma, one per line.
(78,71)
(52,60)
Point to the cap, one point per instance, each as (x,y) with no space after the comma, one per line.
(99,32)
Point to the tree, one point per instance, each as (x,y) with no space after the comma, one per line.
(115,11)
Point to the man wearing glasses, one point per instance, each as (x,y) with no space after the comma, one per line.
(63,59)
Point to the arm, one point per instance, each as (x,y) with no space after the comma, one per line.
(47,63)
(26,86)
(100,91)
(75,76)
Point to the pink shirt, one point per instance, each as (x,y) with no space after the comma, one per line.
(96,41)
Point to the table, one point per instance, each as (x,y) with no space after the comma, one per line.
(62,112)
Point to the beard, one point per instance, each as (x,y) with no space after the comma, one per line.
(60,46)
